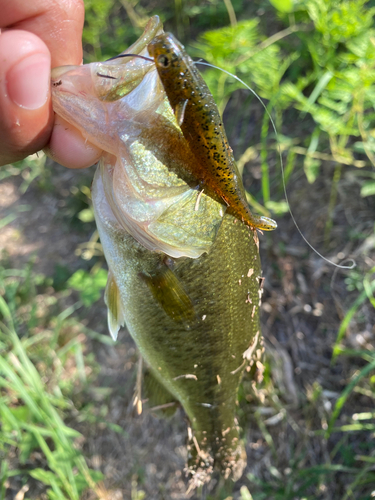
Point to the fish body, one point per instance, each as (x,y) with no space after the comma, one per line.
(202,127)
(184,273)
(199,354)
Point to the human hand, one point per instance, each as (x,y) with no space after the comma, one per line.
(36,36)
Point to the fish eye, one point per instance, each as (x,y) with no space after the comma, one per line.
(163,61)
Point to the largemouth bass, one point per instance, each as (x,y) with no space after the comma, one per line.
(184,272)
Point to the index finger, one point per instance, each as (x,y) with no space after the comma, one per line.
(58,23)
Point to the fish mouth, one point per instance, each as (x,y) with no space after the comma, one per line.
(71,80)
(57,73)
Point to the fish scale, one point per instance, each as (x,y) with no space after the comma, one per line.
(188,291)
(205,348)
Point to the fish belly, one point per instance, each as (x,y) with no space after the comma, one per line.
(199,356)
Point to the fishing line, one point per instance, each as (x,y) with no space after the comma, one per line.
(353,265)
(130,55)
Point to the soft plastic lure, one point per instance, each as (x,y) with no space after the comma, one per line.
(199,119)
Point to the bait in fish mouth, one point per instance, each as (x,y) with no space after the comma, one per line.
(174,254)
(199,119)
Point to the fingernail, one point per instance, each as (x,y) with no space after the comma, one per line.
(28,81)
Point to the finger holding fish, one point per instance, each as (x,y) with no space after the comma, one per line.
(34,36)
(68,147)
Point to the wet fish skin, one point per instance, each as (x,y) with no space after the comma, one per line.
(195,320)
(202,126)
(199,360)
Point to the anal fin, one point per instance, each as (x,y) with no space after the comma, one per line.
(160,400)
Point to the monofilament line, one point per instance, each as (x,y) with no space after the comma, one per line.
(282,167)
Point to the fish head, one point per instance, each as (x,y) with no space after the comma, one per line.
(90,97)
(121,107)
(105,96)
(168,53)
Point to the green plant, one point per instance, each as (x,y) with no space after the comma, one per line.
(89,285)
(30,169)
(329,75)
(367,294)
(42,366)
(316,69)
(31,413)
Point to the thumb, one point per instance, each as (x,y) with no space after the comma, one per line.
(26,116)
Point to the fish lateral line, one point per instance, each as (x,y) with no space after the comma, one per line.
(353,264)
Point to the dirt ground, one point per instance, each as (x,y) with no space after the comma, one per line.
(304,301)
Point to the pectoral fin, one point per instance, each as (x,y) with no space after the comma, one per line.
(115,311)
(170,294)
(180,111)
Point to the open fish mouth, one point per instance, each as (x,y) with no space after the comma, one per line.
(120,106)
(183,272)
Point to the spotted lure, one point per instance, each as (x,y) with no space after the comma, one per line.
(199,119)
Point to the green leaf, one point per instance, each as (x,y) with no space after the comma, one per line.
(86,215)
(311,168)
(349,315)
(368,189)
(44,476)
(282,5)
(89,285)
(278,207)
(245,493)
(345,394)
(320,86)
